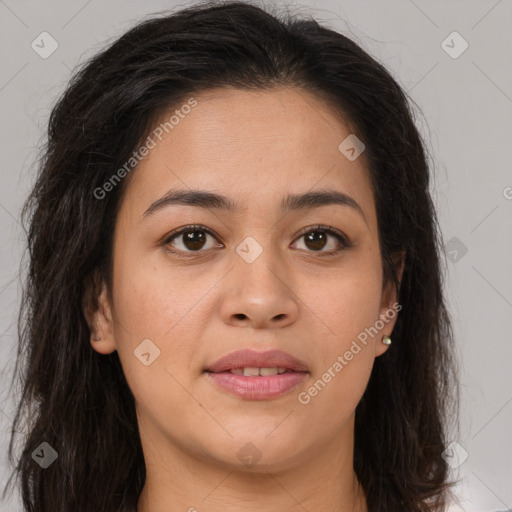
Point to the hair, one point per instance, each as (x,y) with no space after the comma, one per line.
(78,400)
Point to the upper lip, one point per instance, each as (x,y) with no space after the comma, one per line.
(254,359)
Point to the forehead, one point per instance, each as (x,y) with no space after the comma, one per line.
(253,146)
(282,119)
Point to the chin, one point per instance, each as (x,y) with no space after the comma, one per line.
(255,452)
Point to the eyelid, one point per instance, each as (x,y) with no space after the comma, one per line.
(342,238)
(329,229)
(190,227)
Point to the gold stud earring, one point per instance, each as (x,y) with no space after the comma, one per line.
(386,340)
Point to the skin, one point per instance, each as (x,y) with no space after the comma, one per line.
(255,148)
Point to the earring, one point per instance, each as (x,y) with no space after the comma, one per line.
(386,340)
(96,339)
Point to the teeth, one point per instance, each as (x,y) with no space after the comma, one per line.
(252,372)
(268,371)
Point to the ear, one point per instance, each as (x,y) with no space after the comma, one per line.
(98,314)
(389,307)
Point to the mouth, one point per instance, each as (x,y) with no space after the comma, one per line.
(253,375)
(250,371)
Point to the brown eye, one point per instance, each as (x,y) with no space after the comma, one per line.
(190,239)
(317,239)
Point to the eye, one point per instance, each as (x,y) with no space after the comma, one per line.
(189,239)
(316,238)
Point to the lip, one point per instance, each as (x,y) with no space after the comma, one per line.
(255,359)
(257,387)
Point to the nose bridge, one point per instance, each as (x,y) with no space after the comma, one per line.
(259,292)
(258,266)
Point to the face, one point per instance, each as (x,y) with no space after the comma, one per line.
(197,279)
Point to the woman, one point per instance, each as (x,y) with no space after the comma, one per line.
(234,299)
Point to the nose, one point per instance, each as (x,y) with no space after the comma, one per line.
(259,294)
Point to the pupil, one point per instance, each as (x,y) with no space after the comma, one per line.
(317,239)
(194,239)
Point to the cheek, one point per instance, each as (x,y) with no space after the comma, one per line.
(168,306)
(348,304)
(335,393)
(154,299)
(345,302)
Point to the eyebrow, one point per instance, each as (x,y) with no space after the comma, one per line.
(210,200)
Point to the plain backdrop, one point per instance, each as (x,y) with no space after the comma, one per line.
(464,111)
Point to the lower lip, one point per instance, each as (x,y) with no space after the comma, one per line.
(257,388)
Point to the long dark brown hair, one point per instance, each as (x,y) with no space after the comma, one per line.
(78,400)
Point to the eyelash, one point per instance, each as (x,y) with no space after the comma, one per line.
(345,244)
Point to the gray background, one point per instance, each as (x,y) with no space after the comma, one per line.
(466,104)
